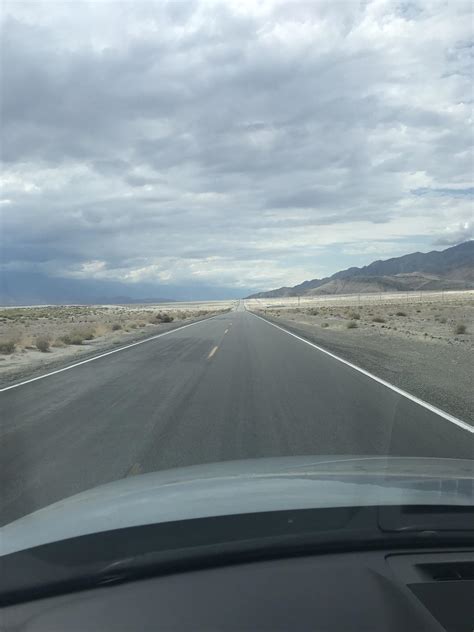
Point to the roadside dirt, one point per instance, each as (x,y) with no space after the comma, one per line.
(77,333)
(415,347)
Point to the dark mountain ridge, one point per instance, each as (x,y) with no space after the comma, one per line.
(452,268)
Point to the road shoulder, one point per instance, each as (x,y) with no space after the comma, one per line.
(439,375)
(48,362)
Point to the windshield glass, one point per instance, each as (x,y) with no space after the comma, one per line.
(235,231)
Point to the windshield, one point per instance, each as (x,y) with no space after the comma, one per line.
(234,231)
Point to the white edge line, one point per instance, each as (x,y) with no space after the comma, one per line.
(458,422)
(102,355)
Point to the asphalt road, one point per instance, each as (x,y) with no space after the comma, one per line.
(230,387)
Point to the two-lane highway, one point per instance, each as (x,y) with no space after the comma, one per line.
(230,387)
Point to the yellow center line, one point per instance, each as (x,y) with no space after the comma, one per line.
(212,352)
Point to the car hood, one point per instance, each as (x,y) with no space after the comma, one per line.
(248,486)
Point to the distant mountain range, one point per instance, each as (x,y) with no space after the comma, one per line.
(126,300)
(450,269)
(19,287)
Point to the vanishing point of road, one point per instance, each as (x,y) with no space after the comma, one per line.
(229,387)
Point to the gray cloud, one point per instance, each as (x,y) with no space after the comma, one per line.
(446,192)
(181,141)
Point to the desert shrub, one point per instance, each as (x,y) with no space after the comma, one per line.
(460,329)
(87,334)
(116,327)
(7,346)
(378,319)
(443,320)
(324,325)
(400,313)
(74,338)
(313,311)
(162,317)
(354,316)
(133,325)
(351,324)
(42,344)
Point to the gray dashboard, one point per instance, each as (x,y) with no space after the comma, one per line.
(367,590)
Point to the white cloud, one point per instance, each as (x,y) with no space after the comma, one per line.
(236,143)
(456,233)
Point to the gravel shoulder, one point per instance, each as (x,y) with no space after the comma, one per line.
(32,363)
(429,368)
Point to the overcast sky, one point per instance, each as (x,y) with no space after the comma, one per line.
(243,144)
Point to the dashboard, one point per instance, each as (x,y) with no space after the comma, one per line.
(420,590)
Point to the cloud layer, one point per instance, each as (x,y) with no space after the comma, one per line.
(239,144)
